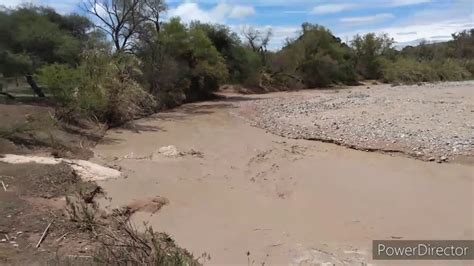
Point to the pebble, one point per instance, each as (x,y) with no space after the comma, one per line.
(338,118)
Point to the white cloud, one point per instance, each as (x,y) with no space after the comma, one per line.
(367,19)
(242,11)
(10,2)
(64,6)
(331,8)
(408,2)
(191,11)
(306,3)
(13,3)
(413,34)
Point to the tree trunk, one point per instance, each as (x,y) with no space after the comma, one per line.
(34,86)
(8,95)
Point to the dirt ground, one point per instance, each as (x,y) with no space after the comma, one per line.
(31,127)
(35,195)
(252,197)
(34,198)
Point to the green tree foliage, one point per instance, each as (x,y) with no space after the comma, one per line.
(368,50)
(461,47)
(101,86)
(463,43)
(62,81)
(406,70)
(242,62)
(316,58)
(208,68)
(452,60)
(34,36)
(182,63)
(41,36)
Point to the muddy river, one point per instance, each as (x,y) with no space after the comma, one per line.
(247,197)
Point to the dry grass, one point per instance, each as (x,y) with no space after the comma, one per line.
(118,240)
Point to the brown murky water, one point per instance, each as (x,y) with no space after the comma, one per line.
(283,201)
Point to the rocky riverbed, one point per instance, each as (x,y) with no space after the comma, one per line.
(432,122)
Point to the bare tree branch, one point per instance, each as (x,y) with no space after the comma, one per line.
(257,40)
(121,19)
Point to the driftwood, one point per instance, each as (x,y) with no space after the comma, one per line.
(43,236)
(4,187)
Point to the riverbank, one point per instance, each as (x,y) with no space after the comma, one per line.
(241,194)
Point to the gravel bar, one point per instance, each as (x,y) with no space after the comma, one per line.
(433,122)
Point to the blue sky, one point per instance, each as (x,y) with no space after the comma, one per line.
(404,20)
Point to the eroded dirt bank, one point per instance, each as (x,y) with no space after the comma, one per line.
(230,190)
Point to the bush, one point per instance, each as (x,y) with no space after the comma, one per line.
(451,69)
(411,71)
(408,71)
(101,87)
(126,99)
(122,244)
(62,81)
(469,66)
(319,71)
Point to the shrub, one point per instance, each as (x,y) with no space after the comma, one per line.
(319,71)
(122,244)
(408,71)
(451,69)
(62,81)
(411,71)
(469,66)
(126,99)
(102,87)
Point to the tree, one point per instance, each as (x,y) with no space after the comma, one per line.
(242,62)
(120,19)
(124,20)
(152,10)
(258,40)
(368,49)
(464,44)
(316,58)
(34,36)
